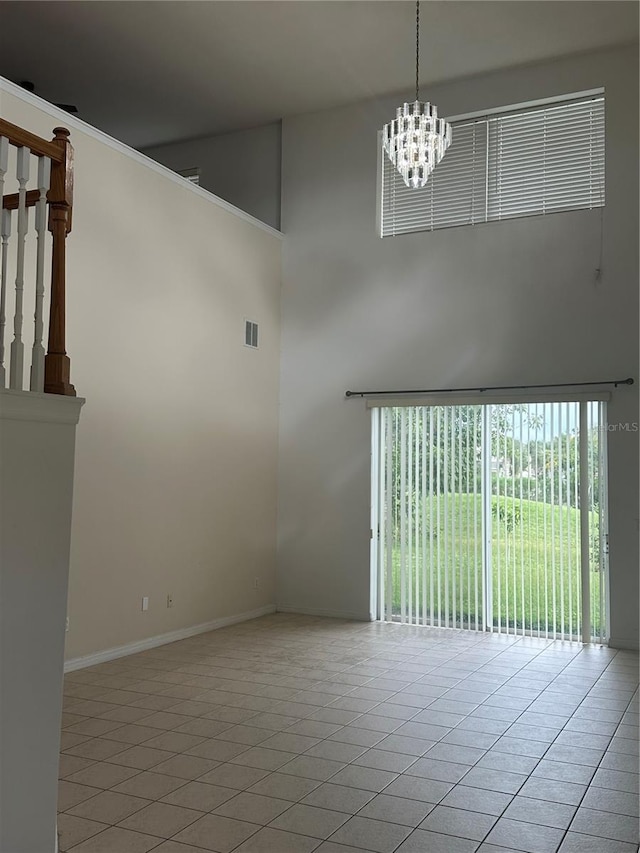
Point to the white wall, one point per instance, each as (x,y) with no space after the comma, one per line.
(175,488)
(502,303)
(243,167)
(37,436)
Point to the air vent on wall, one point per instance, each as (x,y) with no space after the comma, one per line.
(251,334)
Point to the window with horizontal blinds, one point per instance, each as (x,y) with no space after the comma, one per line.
(524,163)
(454,195)
(546,160)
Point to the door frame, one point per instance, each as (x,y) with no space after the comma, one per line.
(378,452)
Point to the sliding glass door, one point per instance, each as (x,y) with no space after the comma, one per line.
(492,517)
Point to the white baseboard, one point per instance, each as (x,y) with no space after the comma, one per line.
(624,643)
(317,611)
(163,639)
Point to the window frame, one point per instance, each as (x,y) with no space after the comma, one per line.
(487,115)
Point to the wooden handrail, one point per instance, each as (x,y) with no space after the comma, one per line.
(11,201)
(19,137)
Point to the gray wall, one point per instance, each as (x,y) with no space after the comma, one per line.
(502,303)
(242,168)
(176,476)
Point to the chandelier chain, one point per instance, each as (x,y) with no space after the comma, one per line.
(417,50)
(416,140)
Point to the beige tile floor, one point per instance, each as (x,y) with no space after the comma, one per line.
(291,734)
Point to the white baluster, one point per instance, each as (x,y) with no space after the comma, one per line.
(17,346)
(4,161)
(37,353)
(5,233)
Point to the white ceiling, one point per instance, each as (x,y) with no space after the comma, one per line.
(153,72)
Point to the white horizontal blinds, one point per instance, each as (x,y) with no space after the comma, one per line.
(454,195)
(531,162)
(546,160)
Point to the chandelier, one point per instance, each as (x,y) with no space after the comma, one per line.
(416,140)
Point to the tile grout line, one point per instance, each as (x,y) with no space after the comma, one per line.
(394,694)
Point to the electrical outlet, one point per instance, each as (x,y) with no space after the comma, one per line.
(145,602)
(169,601)
(256,583)
(66,624)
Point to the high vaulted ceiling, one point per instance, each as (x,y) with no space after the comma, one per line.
(154,72)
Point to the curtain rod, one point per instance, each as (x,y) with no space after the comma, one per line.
(614,382)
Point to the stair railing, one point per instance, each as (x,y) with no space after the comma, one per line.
(53,193)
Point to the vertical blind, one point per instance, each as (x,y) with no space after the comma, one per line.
(524,163)
(492,517)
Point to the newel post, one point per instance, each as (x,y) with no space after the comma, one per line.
(57,365)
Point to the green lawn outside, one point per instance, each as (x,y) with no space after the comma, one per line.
(527,554)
